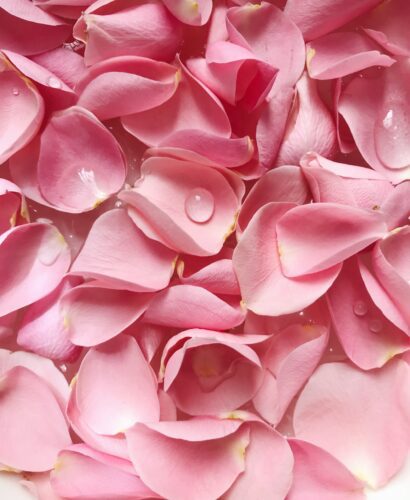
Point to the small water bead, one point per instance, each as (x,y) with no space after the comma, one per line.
(360,308)
(63,368)
(54,82)
(392,134)
(16,92)
(199,205)
(375,325)
(118,204)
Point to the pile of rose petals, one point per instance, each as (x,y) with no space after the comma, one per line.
(204,248)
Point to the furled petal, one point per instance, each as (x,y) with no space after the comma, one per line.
(33,259)
(257,263)
(367,337)
(192,107)
(289,361)
(216,275)
(21,109)
(363,418)
(396,206)
(207,455)
(317,236)
(125,85)
(271,35)
(28,30)
(43,329)
(195,13)
(82,472)
(188,306)
(12,206)
(343,53)
(234,74)
(318,17)
(116,387)
(268,466)
(374,108)
(188,207)
(391,262)
(318,474)
(80,163)
(282,184)
(95,312)
(116,256)
(35,426)
(310,126)
(109,30)
(211,373)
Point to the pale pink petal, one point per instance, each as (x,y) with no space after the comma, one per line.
(202,468)
(271,125)
(21,109)
(317,236)
(125,85)
(310,126)
(272,36)
(82,473)
(116,387)
(28,30)
(188,306)
(343,53)
(363,419)
(12,206)
(374,108)
(391,262)
(192,12)
(115,256)
(210,373)
(208,149)
(355,316)
(268,466)
(94,312)
(257,263)
(110,29)
(318,474)
(289,361)
(80,163)
(36,427)
(396,206)
(188,207)
(282,184)
(192,107)
(33,259)
(43,330)
(318,17)
(217,276)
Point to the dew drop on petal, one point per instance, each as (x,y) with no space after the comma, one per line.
(392,135)
(16,92)
(118,204)
(199,205)
(54,82)
(375,325)
(360,308)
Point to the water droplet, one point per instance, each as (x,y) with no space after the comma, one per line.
(375,325)
(360,308)
(63,368)
(360,75)
(199,205)
(44,220)
(16,92)
(54,82)
(118,204)
(392,135)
